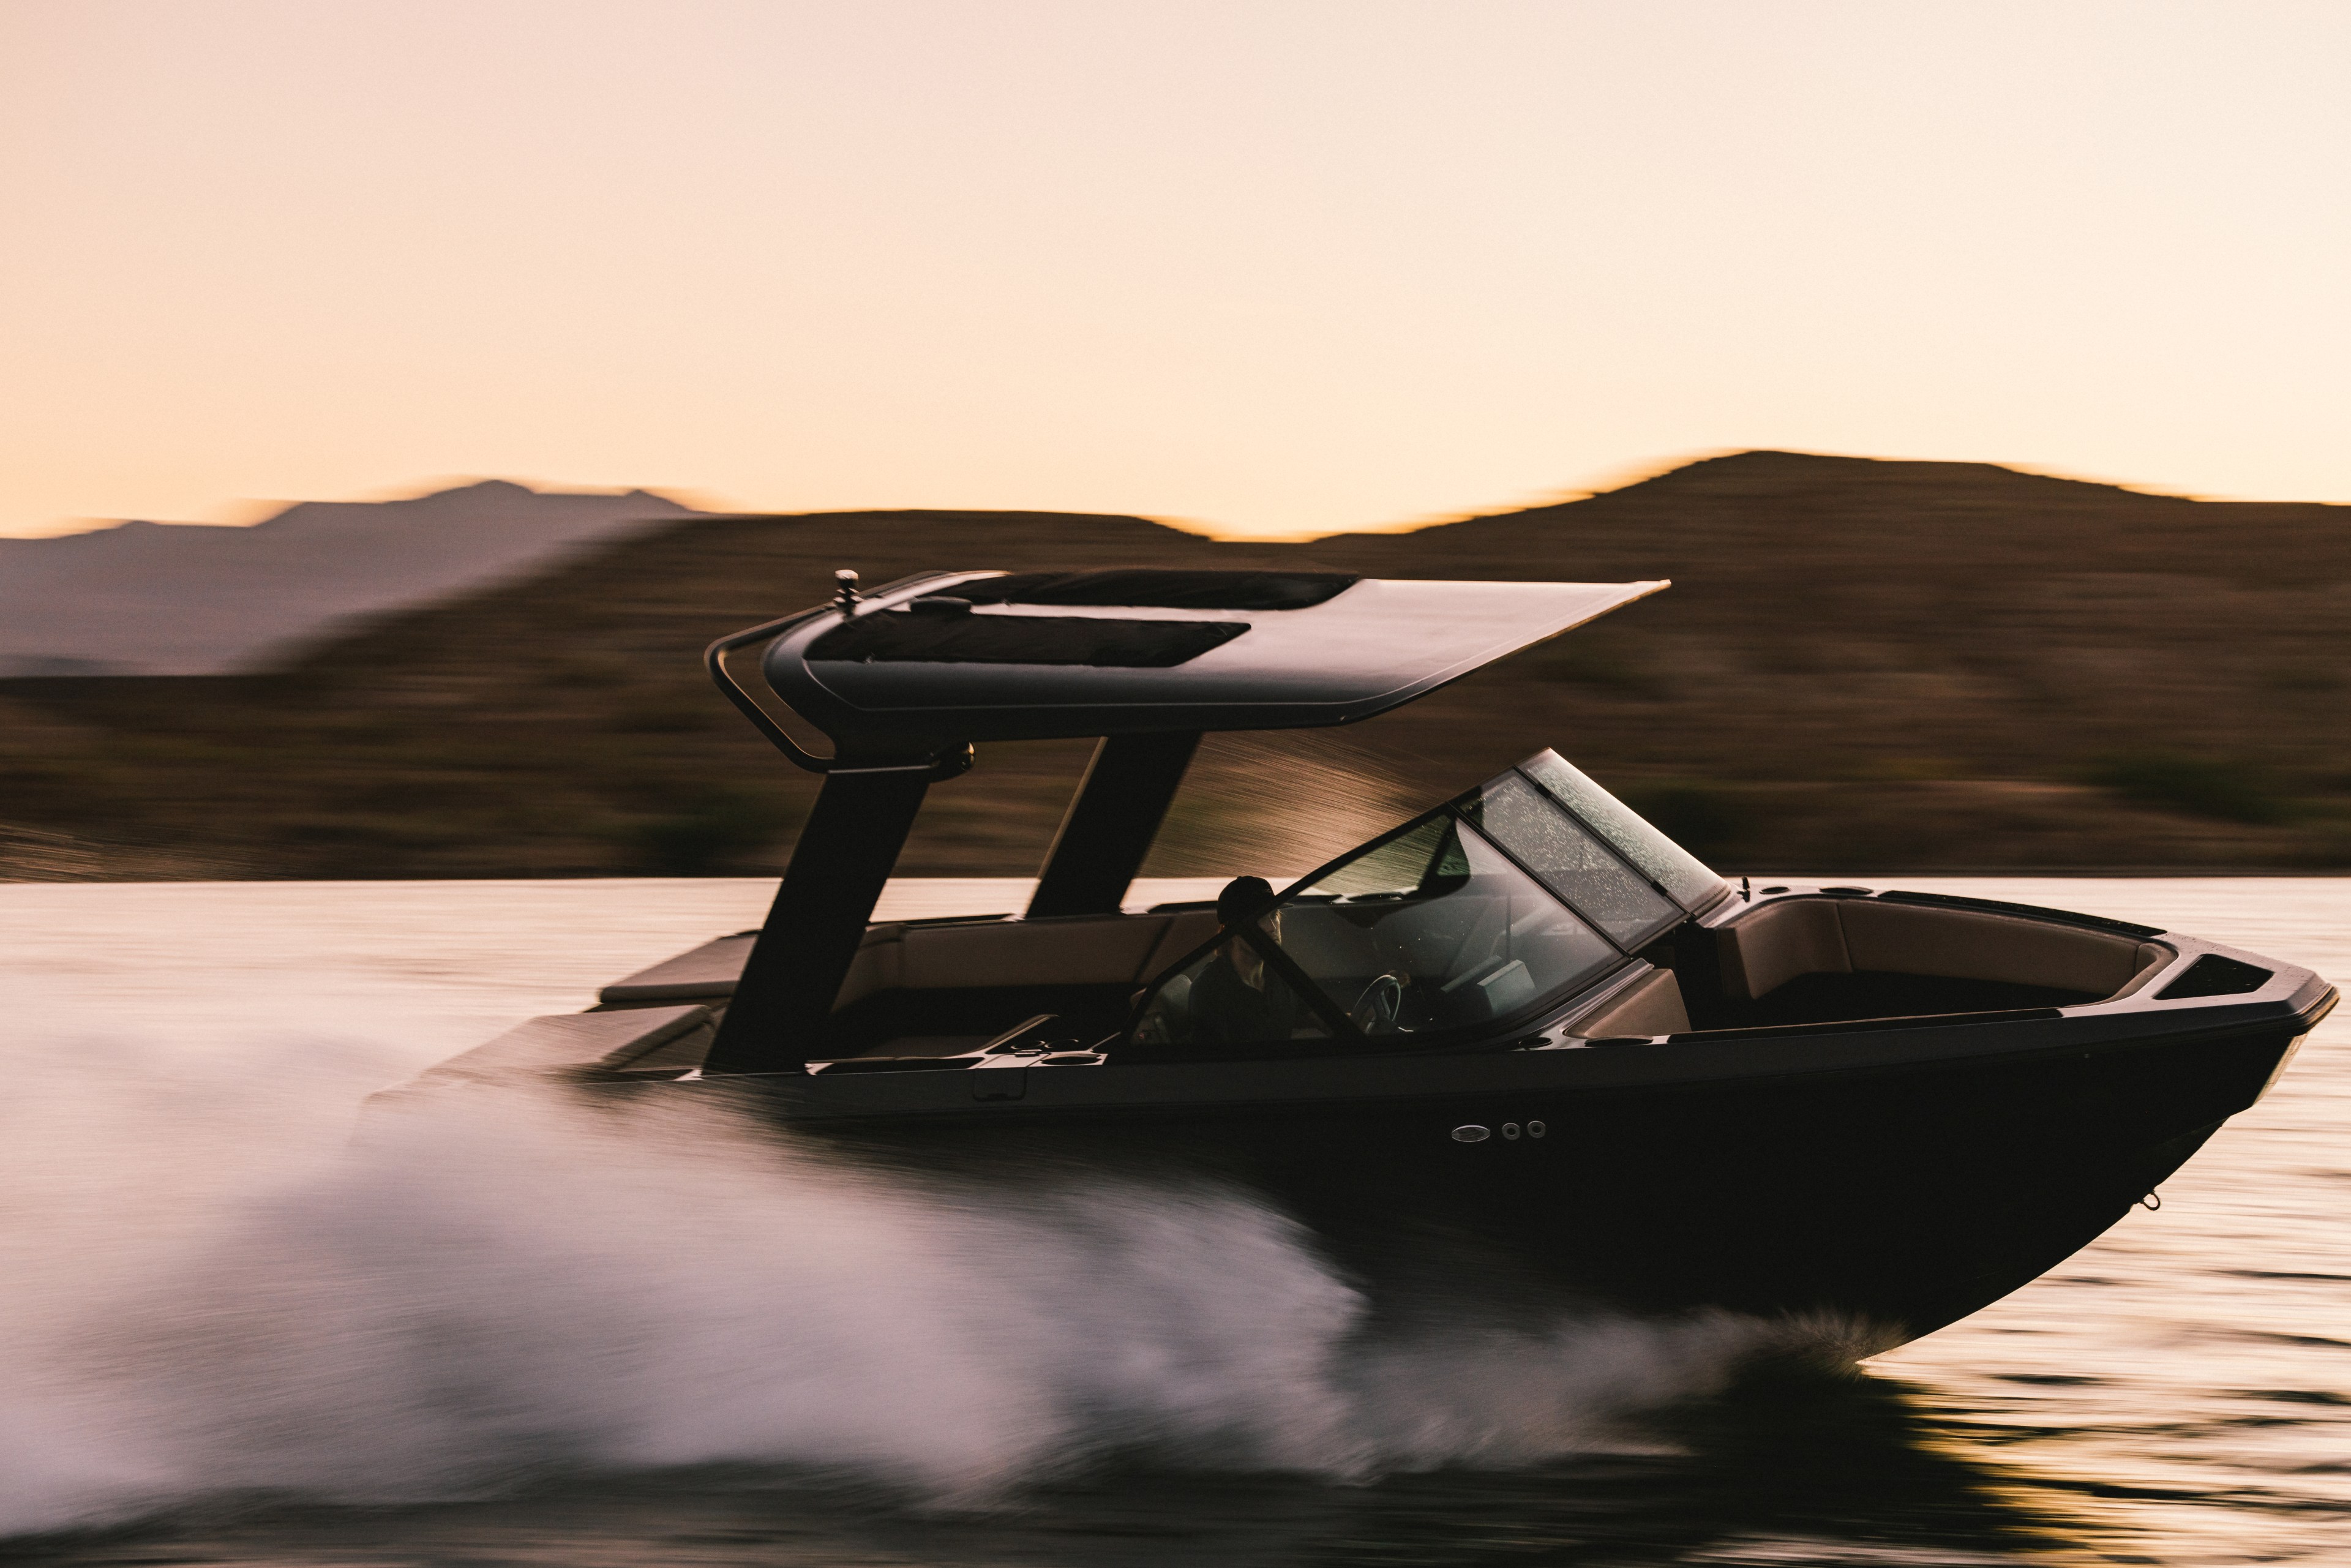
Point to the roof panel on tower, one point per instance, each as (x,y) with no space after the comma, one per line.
(954,657)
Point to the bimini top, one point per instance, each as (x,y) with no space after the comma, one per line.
(948,658)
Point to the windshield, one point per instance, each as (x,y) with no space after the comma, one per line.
(1228,995)
(1680,875)
(1433,930)
(1570,862)
(1522,892)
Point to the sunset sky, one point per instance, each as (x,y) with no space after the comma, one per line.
(1266,267)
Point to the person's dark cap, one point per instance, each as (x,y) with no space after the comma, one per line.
(1243,898)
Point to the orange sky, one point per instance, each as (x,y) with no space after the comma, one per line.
(1272,267)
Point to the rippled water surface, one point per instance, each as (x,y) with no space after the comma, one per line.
(509,1332)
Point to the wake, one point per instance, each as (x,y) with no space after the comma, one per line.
(207,1287)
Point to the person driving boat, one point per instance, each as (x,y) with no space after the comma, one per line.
(1237,998)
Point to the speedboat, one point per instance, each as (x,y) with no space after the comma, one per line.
(1524,1028)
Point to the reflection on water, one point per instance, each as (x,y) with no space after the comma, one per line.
(1790,1465)
(230,1342)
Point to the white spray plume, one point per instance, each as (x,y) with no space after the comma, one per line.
(206,1288)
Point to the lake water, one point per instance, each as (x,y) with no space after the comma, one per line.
(514,1332)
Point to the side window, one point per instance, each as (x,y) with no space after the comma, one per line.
(1228,995)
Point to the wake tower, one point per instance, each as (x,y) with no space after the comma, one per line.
(903,682)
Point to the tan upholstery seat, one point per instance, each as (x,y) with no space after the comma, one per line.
(1185,932)
(1651,1005)
(1764,950)
(1110,950)
(1088,950)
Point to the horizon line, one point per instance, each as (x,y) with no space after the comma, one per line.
(1618,477)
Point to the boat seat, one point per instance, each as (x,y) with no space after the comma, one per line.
(636,1040)
(1092,949)
(1776,943)
(705,974)
(1651,1005)
(1072,950)
(923,980)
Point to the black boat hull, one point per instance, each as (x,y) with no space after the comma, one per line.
(1901,1180)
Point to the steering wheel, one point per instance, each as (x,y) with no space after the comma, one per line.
(1376,1010)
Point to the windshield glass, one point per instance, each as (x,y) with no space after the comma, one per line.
(1673,868)
(1228,995)
(1433,930)
(1570,862)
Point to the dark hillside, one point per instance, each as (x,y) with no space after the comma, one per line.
(1862,665)
(195,599)
(558,725)
(1870,663)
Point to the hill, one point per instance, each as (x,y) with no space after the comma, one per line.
(1863,666)
(183,599)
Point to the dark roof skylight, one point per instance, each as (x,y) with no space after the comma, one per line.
(1157,589)
(899,637)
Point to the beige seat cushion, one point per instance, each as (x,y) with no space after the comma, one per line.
(630,1037)
(1104,949)
(705,974)
(1651,1005)
(1186,932)
(1088,950)
(1069,952)
(1764,950)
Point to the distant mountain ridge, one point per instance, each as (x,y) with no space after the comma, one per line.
(1864,665)
(183,598)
